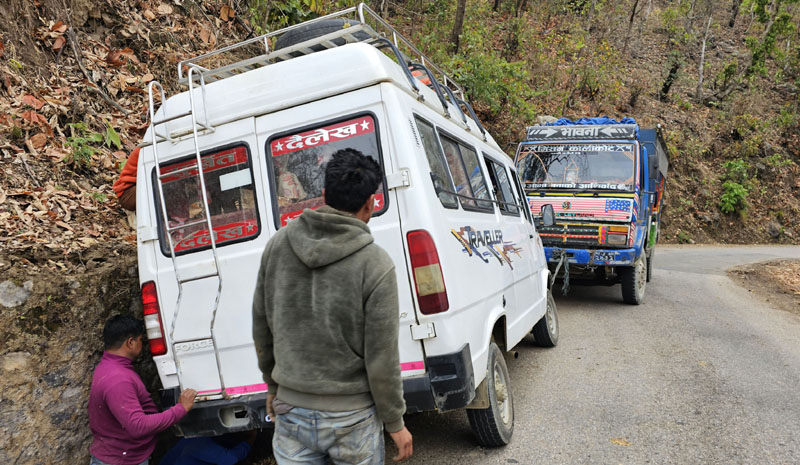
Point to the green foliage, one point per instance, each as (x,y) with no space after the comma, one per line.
(80,142)
(779,160)
(111,138)
(734,198)
(736,187)
(98,197)
(737,170)
(267,15)
(684,237)
(778,22)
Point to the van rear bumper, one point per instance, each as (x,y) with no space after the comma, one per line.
(217,417)
(449,383)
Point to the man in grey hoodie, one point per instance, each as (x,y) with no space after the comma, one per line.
(325,326)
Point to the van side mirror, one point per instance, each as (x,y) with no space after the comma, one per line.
(548,215)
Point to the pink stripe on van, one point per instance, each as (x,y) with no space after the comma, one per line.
(420,365)
(237,389)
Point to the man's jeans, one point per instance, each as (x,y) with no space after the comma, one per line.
(304,436)
(96,461)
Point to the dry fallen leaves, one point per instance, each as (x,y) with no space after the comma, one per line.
(164,9)
(207,36)
(620,442)
(29,99)
(226,13)
(38,140)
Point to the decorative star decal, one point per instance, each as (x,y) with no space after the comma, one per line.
(278,146)
(365,125)
(377,203)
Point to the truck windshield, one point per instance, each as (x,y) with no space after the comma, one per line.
(577,166)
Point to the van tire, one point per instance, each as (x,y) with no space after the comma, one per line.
(493,426)
(633,280)
(545,332)
(314,30)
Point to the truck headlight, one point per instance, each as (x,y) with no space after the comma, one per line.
(616,239)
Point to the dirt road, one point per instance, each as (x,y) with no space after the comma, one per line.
(703,372)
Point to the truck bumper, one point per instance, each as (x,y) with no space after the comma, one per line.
(599,257)
(449,383)
(217,417)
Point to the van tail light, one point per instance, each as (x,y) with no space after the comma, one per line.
(431,292)
(152,319)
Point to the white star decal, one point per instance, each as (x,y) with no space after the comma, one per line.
(377,203)
(365,125)
(278,146)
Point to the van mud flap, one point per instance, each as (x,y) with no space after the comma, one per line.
(448,385)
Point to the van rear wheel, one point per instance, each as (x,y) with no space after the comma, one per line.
(494,425)
(545,332)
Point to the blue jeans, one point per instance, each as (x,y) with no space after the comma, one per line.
(304,436)
(96,461)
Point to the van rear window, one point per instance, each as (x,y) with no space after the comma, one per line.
(231,198)
(298,162)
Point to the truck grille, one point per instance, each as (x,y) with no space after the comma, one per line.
(568,234)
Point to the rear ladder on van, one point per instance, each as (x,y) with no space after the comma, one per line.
(206,216)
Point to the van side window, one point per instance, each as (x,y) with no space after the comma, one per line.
(297,163)
(502,187)
(231,198)
(436,162)
(467,175)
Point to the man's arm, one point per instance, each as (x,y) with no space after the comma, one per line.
(381,355)
(262,335)
(123,402)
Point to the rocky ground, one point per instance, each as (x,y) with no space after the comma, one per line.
(775,281)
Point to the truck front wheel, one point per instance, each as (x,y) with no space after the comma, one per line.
(633,280)
(494,425)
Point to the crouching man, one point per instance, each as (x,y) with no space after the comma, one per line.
(325,326)
(123,418)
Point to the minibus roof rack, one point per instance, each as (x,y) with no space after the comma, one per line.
(366,26)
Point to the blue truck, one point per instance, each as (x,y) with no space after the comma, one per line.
(603,180)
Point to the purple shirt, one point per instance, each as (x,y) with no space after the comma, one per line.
(123,418)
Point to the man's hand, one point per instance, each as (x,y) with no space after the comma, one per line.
(187,398)
(402,439)
(270,411)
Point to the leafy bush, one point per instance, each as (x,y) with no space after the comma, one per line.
(734,198)
(80,141)
(736,170)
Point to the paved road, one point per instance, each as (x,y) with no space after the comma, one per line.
(703,373)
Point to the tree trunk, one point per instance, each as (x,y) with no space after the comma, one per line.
(458,26)
(630,26)
(496,5)
(734,12)
(690,18)
(590,16)
(673,74)
(699,93)
(521,6)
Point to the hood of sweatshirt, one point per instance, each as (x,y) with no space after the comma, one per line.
(326,235)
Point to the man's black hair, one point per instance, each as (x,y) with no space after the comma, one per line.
(350,178)
(119,328)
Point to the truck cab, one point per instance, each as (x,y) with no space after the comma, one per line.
(605,182)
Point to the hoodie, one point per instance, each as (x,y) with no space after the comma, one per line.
(325,317)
